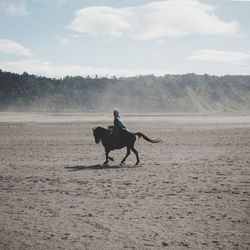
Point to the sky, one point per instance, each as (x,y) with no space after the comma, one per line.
(58,38)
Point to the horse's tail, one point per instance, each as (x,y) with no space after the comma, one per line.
(139,134)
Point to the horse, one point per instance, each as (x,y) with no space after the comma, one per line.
(123,139)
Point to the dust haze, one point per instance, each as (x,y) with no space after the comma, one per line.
(143,94)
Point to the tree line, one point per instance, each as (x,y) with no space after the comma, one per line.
(169,93)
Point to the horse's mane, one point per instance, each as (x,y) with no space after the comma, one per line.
(102,128)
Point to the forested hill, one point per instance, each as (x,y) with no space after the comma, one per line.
(170,93)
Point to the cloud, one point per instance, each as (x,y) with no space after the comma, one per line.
(101,21)
(64,41)
(14,7)
(161,41)
(156,20)
(45,68)
(11,47)
(220,56)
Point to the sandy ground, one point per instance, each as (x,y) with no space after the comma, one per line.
(190,191)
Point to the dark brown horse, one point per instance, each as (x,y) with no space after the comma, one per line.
(123,139)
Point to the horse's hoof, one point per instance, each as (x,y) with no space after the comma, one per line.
(137,163)
(121,164)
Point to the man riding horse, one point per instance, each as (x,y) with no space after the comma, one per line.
(117,137)
(118,123)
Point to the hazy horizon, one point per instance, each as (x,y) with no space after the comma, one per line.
(114,76)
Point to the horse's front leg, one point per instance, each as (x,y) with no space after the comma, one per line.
(107,156)
(112,159)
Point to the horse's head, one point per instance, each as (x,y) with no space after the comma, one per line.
(99,133)
(96,134)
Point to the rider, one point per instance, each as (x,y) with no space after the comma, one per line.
(118,124)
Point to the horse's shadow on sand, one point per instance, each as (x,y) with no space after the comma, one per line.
(97,167)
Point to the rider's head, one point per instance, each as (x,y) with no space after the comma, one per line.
(116,112)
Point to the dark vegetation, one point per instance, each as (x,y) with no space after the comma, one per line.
(169,93)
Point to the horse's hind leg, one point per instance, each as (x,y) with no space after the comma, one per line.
(128,153)
(137,156)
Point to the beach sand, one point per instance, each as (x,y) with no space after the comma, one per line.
(192,191)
